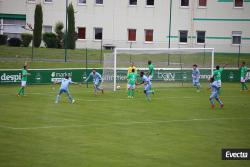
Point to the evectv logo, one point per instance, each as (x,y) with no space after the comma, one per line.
(10,78)
(166,76)
(235,154)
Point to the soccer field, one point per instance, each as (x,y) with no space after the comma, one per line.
(177,128)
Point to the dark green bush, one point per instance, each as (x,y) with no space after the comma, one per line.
(26,39)
(14,42)
(50,40)
(3,39)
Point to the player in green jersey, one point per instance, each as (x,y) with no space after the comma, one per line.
(24,79)
(150,69)
(132,77)
(243,75)
(217,76)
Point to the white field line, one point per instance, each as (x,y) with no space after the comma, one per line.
(121,123)
(53,94)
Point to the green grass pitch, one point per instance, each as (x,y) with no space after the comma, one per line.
(176,129)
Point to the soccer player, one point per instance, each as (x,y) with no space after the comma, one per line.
(217,76)
(24,79)
(243,74)
(131,83)
(146,80)
(97,80)
(196,77)
(214,94)
(65,89)
(132,66)
(150,69)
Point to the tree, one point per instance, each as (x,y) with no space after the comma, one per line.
(71,36)
(38,22)
(59,33)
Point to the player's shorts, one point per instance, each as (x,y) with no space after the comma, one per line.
(196,81)
(242,79)
(23,83)
(63,91)
(151,77)
(217,83)
(214,95)
(147,87)
(131,86)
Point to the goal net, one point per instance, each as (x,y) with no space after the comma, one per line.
(172,66)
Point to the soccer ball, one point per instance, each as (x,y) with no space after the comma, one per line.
(118,87)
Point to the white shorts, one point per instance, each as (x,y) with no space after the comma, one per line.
(23,83)
(147,87)
(218,83)
(131,86)
(242,79)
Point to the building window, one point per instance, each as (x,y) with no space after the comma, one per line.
(48,1)
(47,28)
(131,34)
(183,36)
(236,37)
(238,3)
(201,35)
(150,3)
(81,33)
(132,2)
(81,2)
(98,33)
(202,3)
(12,27)
(149,35)
(184,3)
(99,2)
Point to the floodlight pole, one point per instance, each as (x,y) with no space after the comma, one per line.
(66,34)
(169,28)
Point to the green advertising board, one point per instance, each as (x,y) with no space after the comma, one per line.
(47,76)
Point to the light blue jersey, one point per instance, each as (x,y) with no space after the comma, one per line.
(215,95)
(65,84)
(65,89)
(97,78)
(196,73)
(196,77)
(214,90)
(147,82)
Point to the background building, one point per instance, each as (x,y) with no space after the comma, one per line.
(222,24)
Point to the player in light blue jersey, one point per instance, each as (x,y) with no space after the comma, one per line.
(65,89)
(97,80)
(196,77)
(146,80)
(214,94)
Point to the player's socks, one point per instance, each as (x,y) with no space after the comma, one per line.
(245,85)
(147,95)
(132,92)
(219,101)
(211,101)
(57,98)
(22,91)
(242,86)
(129,92)
(19,91)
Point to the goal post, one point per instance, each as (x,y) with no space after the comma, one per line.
(177,60)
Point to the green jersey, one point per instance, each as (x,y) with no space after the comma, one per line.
(217,74)
(151,69)
(24,75)
(243,71)
(132,78)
